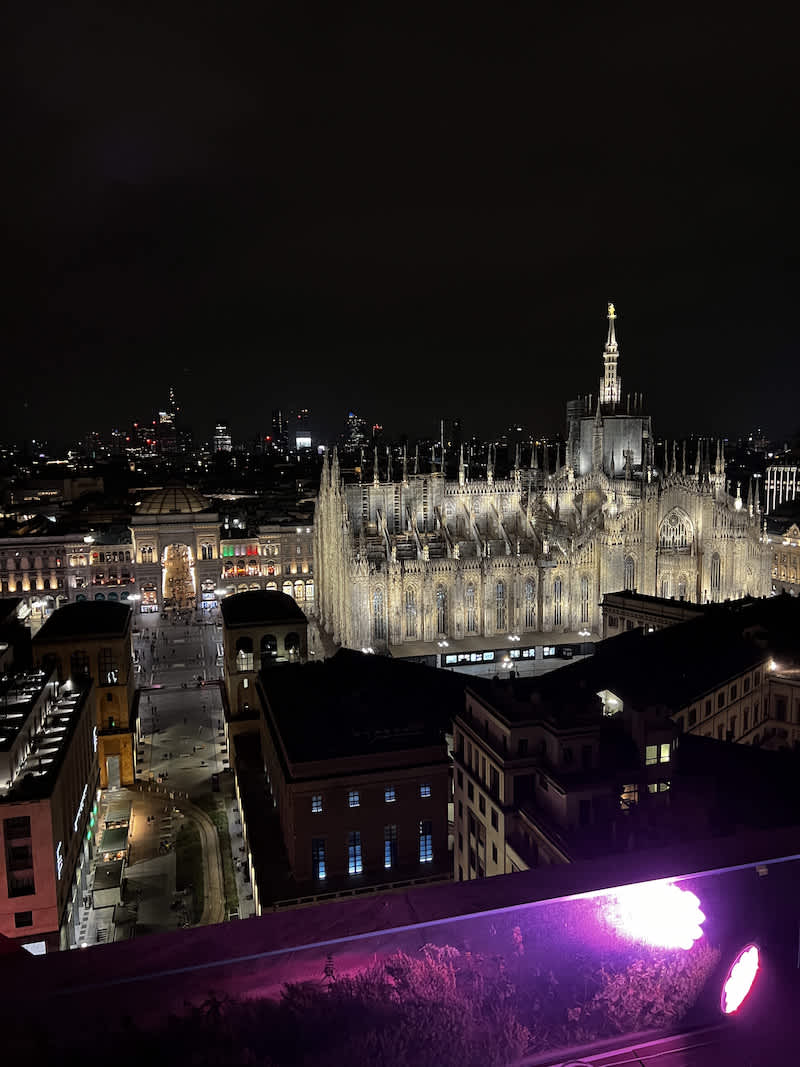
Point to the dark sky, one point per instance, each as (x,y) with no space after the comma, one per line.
(410,212)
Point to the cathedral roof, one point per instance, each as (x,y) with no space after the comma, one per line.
(173,500)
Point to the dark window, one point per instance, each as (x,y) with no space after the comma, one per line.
(733,692)
(720,700)
(460,779)
(494,783)
(494,819)
(481,804)
(23,918)
(79,664)
(780,708)
(707,711)
(746,685)
(19,826)
(494,853)
(720,732)
(522,746)
(692,716)
(109,668)
(470,791)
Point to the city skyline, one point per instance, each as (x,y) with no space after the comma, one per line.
(410,220)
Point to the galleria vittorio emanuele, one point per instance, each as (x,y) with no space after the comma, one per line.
(420,558)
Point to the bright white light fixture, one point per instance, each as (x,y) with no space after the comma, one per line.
(739,980)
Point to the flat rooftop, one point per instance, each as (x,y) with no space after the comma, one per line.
(58,714)
(356,704)
(669,668)
(87,618)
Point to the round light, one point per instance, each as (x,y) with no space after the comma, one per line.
(739,980)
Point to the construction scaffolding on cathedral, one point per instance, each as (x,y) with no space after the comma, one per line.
(407,561)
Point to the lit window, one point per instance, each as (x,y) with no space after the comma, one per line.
(353,798)
(425,789)
(318,857)
(656,754)
(389,846)
(354,862)
(316,803)
(388,795)
(425,841)
(664,753)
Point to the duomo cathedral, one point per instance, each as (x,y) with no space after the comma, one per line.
(420,558)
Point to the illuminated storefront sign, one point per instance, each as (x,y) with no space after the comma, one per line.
(81,806)
(94,737)
(59,859)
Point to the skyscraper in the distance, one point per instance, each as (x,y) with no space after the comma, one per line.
(222,438)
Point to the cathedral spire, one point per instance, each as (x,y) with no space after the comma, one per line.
(388,464)
(490,466)
(405,466)
(462,472)
(416,460)
(683,461)
(375,476)
(325,477)
(750,498)
(335,468)
(361,463)
(697,458)
(610,384)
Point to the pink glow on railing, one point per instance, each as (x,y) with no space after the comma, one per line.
(657,913)
(740,979)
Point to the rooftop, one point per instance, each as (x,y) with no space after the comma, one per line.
(86,618)
(358,704)
(259,606)
(173,500)
(669,668)
(48,735)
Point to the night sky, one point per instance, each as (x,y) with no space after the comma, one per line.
(410,212)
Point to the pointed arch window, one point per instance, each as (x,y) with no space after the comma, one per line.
(557,591)
(411,613)
(530,604)
(472,618)
(665,588)
(630,574)
(682,587)
(441,611)
(378,616)
(716,576)
(500,606)
(675,532)
(584,600)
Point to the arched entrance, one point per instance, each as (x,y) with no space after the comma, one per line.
(179,589)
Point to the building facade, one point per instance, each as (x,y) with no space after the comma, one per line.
(48,791)
(416,557)
(260,628)
(94,640)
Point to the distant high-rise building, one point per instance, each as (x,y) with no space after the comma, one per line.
(356,432)
(222,438)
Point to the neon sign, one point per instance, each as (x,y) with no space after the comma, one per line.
(94,737)
(59,859)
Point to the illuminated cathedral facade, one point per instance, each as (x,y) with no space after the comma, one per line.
(420,558)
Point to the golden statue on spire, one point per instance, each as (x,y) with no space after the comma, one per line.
(611,312)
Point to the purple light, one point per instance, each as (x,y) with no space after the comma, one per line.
(657,913)
(740,979)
